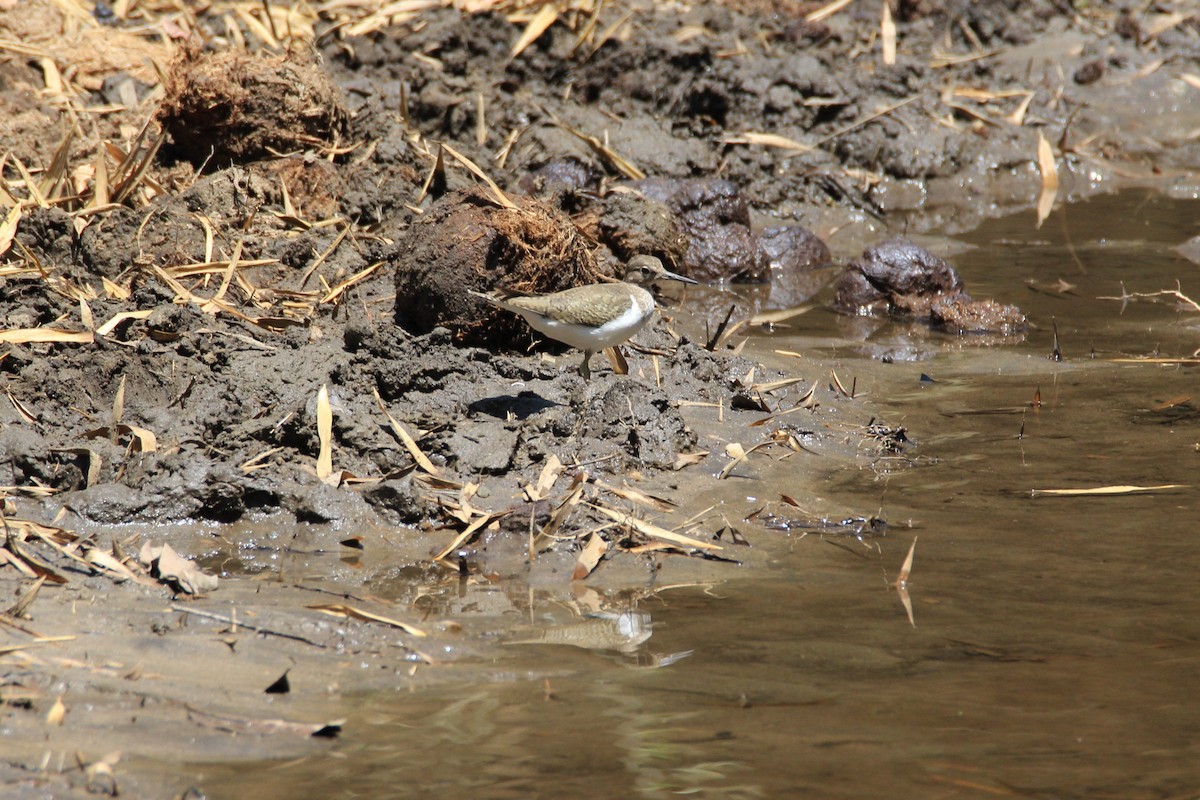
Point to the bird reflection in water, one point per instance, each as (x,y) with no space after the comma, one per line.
(622,633)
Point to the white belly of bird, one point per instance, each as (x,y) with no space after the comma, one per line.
(588,338)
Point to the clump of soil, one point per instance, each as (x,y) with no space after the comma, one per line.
(468,241)
(232,107)
(904,279)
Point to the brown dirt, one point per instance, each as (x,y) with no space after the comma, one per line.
(259,282)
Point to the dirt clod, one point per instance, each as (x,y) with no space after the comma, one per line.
(233,107)
(467,241)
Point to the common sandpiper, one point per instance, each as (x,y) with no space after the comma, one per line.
(594,316)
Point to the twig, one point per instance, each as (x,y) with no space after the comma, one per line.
(249,626)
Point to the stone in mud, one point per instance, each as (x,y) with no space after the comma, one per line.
(468,241)
(399,500)
(792,248)
(323,504)
(233,107)
(630,224)
(716,220)
(559,176)
(904,279)
(897,267)
(482,447)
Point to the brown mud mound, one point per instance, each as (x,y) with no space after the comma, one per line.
(466,241)
(231,108)
(904,279)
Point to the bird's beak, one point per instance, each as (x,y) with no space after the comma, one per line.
(672,276)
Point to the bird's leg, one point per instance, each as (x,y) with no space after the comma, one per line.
(584,369)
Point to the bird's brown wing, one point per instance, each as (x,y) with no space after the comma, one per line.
(584,305)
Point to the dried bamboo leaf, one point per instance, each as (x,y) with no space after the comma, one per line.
(827,10)
(543,19)
(1106,491)
(1045,159)
(470,531)
(147,442)
(117,319)
(118,406)
(57,712)
(589,557)
(779,315)
(44,335)
(618,162)
(337,291)
(545,482)
(500,197)
(636,496)
(324,434)
(8,228)
(887,34)
(688,459)
(410,444)
(564,509)
(342,610)
(19,608)
(25,413)
(654,531)
(768,140)
(771,386)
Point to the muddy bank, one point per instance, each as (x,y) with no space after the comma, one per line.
(217,315)
(221,302)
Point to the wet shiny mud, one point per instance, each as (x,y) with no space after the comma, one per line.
(1054,645)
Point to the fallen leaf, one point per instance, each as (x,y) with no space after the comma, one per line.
(342,610)
(1045,158)
(769,140)
(31,335)
(1105,491)
(57,712)
(654,531)
(325,435)
(589,557)
(887,34)
(688,459)
(171,568)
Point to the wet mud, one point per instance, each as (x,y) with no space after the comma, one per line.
(238,294)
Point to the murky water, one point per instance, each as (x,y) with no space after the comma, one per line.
(1056,644)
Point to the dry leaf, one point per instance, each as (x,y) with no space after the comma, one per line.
(171,568)
(1105,491)
(654,531)
(406,438)
(8,228)
(536,27)
(31,335)
(589,557)
(264,726)
(341,610)
(118,406)
(325,435)
(769,140)
(57,712)
(887,34)
(111,325)
(1045,158)
(688,459)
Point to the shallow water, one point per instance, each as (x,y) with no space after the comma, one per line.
(1055,644)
